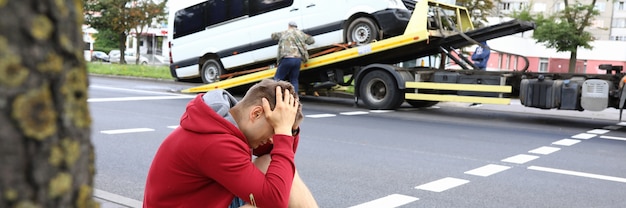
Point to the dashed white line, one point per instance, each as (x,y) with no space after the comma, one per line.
(354,113)
(487,170)
(613,138)
(583,136)
(394,200)
(520,159)
(381,111)
(598,131)
(325,115)
(544,150)
(125,131)
(621,123)
(442,184)
(576,173)
(173,127)
(566,142)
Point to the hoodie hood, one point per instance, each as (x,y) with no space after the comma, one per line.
(208,113)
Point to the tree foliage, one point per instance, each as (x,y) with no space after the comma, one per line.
(479,10)
(564,30)
(122,16)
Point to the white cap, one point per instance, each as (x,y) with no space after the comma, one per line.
(293,24)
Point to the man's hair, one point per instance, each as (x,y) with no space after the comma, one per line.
(267,89)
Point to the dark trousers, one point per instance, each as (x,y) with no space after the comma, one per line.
(289,69)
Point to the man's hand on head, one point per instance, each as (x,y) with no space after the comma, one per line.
(284,114)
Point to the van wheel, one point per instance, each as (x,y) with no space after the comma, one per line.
(379,90)
(362,30)
(211,71)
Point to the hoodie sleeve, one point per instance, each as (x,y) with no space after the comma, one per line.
(267,148)
(231,167)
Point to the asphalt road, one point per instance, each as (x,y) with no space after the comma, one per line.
(447,156)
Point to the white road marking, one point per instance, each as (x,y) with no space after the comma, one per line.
(520,159)
(576,173)
(125,131)
(566,142)
(354,113)
(380,111)
(132,90)
(393,200)
(173,127)
(544,150)
(622,123)
(117,198)
(442,184)
(487,170)
(613,138)
(583,136)
(598,131)
(137,98)
(325,115)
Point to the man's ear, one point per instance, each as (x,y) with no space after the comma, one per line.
(256,113)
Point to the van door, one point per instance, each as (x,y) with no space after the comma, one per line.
(323,19)
(267,17)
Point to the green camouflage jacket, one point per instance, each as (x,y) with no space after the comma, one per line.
(292,43)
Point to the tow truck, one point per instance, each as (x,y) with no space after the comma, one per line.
(437,31)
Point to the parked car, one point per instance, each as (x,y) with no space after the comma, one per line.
(129,57)
(99,56)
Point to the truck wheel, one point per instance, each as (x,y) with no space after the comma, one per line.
(362,30)
(421,103)
(379,90)
(211,71)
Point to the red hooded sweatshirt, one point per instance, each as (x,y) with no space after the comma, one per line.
(206,162)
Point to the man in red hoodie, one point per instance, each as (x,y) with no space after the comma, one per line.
(208,160)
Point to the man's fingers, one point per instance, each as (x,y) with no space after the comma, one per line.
(266,106)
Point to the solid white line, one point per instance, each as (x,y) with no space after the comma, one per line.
(520,159)
(138,98)
(583,136)
(613,138)
(131,90)
(393,200)
(354,113)
(487,170)
(544,150)
(442,184)
(125,131)
(598,131)
(566,142)
(117,198)
(576,173)
(320,115)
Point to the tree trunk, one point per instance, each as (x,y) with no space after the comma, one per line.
(122,48)
(572,61)
(46,155)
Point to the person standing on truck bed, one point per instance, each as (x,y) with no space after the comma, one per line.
(292,53)
(481,55)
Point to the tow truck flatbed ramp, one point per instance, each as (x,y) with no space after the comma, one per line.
(417,41)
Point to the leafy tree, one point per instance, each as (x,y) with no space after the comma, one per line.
(565,30)
(152,12)
(45,125)
(479,10)
(120,16)
(106,40)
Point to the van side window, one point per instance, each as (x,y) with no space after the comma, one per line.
(261,6)
(197,17)
(219,11)
(189,20)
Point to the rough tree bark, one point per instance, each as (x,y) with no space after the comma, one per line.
(46,155)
